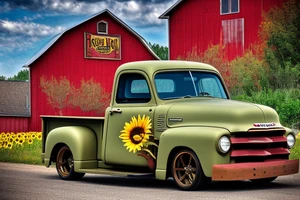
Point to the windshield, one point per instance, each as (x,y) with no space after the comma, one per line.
(182,84)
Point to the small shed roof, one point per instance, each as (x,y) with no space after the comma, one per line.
(14,98)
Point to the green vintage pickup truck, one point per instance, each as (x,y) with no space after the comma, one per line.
(172,119)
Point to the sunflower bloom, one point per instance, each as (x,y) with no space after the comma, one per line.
(21,140)
(30,141)
(3,136)
(11,140)
(13,135)
(136,133)
(9,145)
(33,135)
(39,135)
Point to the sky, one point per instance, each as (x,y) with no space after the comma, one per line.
(27,25)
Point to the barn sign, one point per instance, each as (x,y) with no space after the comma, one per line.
(102,46)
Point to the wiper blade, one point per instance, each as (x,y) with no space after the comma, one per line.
(204,94)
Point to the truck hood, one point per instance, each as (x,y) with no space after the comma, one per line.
(229,114)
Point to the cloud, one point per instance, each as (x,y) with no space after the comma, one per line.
(37,16)
(138,12)
(30,29)
(18,35)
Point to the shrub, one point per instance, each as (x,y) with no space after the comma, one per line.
(285,102)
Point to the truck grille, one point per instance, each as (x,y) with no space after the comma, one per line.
(259,145)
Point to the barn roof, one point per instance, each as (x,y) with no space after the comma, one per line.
(56,37)
(166,14)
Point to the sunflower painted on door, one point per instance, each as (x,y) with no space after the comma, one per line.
(137,138)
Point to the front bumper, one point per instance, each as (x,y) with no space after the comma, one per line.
(254,170)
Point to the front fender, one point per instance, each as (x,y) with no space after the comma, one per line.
(202,140)
(81,140)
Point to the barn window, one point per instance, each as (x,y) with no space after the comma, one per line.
(233,34)
(102,27)
(229,6)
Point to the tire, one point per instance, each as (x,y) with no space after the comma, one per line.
(187,171)
(65,165)
(263,180)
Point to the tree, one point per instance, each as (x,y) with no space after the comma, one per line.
(2,78)
(280,32)
(161,51)
(213,56)
(22,75)
(62,94)
(57,91)
(89,97)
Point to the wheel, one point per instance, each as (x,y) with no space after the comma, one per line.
(187,171)
(263,180)
(65,165)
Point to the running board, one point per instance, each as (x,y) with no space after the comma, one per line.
(114,172)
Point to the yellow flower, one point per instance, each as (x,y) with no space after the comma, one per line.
(13,135)
(39,135)
(33,135)
(30,141)
(136,133)
(21,140)
(9,145)
(11,140)
(3,135)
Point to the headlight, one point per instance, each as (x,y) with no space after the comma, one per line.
(224,144)
(290,140)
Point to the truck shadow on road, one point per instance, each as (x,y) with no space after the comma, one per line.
(150,182)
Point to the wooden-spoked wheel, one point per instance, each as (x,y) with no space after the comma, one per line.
(187,171)
(65,165)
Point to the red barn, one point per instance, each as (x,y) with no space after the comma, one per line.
(199,23)
(92,49)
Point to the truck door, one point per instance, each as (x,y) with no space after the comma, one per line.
(133,100)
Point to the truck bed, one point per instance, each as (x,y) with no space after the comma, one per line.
(51,122)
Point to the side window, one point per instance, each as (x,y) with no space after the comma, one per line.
(229,6)
(133,88)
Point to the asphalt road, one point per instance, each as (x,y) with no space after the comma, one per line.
(20,181)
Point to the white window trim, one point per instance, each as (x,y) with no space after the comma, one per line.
(229,12)
(102,21)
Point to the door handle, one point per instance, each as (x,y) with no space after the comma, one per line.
(115,110)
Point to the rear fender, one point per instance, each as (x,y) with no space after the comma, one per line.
(81,140)
(202,140)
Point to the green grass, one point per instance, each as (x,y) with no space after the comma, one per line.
(295,151)
(26,153)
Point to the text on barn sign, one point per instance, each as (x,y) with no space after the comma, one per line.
(102,46)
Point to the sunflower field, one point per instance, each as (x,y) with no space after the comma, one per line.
(21,147)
